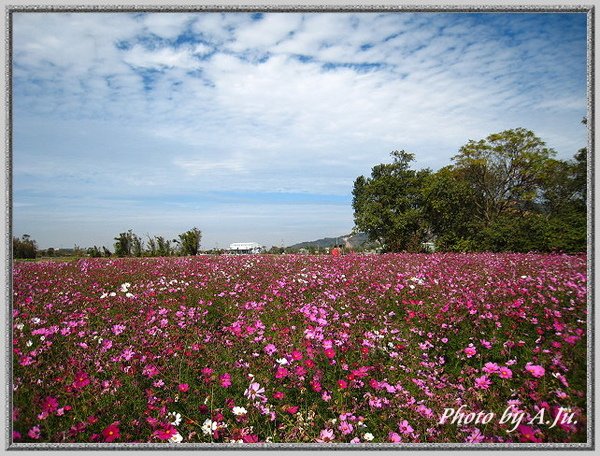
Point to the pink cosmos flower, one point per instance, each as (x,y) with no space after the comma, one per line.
(34,432)
(528,434)
(470,351)
(270,349)
(394,437)
(405,428)
(111,432)
(475,437)
(482,382)
(300,370)
(183,387)
(281,372)
(278,395)
(250,438)
(150,371)
(117,329)
(315,385)
(254,391)
(504,372)
(81,380)
(342,383)
(345,428)
(165,433)
(225,380)
(50,404)
(292,409)
(326,436)
(490,368)
(535,370)
(330,353)
(296,355)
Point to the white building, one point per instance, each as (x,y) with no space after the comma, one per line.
(245,247)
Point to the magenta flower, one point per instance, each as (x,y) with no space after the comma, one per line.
(482,382)
(528,434)
(165,433)
(150,371)
(296,355)
(50,404)
(250,438)
(281,372)
(111,432)
(490,368)
(34,432)
(330,353)
(183,387)
(81,380)
(535,370)
(504,372)
(470,351)
(225,380)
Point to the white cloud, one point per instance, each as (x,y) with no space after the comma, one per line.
(299,103)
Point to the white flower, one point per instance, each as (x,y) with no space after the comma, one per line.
(239,411)
(368,436)
(282,361)
(29,343)
(176,418)
(177,438)
(129,295)
(104,295)
(35,320)
(112,293)
(208,426)
(125,287)
(20,326)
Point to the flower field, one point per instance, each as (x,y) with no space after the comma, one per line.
(395,348)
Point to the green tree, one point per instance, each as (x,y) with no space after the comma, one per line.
(504,170)
(190,241)
(124,244)
(137,245)
(24,247)
(388,206)
(449,203)
(163,246)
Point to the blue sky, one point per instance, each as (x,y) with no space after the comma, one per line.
(253,127)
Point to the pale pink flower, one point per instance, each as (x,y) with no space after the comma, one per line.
(326,436)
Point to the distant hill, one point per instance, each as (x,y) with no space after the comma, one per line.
(351,241)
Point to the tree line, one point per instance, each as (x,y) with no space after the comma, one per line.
(506,192)
(127,244)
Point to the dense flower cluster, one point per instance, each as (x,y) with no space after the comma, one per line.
(261,348)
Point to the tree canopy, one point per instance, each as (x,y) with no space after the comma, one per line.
(506,192)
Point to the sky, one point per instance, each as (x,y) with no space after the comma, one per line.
(253,127)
